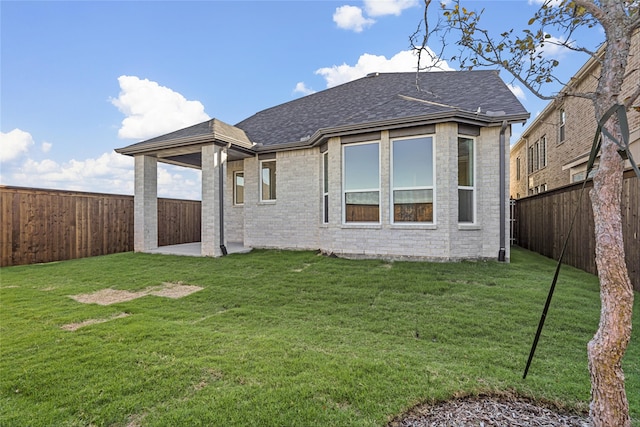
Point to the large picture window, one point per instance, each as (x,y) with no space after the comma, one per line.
(466,181)
(238,188)
(361,172)
(412,180)
(268,180)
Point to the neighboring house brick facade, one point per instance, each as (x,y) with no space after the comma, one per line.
(375,168)
(550,153)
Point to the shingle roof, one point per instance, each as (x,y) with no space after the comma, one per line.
(383,97)
(359,104)
(208,131)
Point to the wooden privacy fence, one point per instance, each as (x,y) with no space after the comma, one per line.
(541,224)
(53,225)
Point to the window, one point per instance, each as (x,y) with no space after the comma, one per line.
(361,172)
(562,123)
(268,180)
(325,187)
(466,185)
(238,188)
(412,180)
(538,155)
(518,169)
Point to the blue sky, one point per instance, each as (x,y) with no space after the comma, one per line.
(81,78)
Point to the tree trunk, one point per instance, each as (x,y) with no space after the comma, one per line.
(609,406)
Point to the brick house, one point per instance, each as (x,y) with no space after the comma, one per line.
(554,149)
(393,165)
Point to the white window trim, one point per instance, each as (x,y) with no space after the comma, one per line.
(325,191)
(362,190)
(262,200)
(235,174)
(432,187)
(472,187)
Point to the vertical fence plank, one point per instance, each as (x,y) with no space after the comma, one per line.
(52,225)
(543,222)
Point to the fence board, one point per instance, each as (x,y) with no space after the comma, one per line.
(40,225)
(542,223)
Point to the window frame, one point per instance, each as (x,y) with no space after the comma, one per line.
(235,188)
(432,187)
(472,187)
(274,177)
(325,187)
(542,152)
(562,136)
(361,190)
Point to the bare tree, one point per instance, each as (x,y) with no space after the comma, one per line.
(520,53)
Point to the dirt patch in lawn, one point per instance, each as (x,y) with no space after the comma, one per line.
(75,326)
(114,296)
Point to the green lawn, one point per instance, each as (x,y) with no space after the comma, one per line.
(289,339)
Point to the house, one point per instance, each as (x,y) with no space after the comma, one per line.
(554,149)
(393,165)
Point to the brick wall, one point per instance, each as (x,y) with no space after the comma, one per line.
(294,219)
(568,157)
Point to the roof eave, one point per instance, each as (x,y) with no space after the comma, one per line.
(155,147)
(321,135)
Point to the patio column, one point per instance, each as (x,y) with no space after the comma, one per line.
(213,161)
(145,201)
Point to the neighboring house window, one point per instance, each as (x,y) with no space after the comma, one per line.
(238,188)
(530,159)
(361,172)
(538,155)
(563,120)
(268,180)
(466,181)
(518,169)
(325,187)
(412,180)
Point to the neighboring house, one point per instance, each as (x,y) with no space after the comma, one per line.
(395,166)
(554,149)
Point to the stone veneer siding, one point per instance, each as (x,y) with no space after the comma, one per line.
(294,219)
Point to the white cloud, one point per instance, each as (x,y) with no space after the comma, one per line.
(303,89)
(401,62)
(387,7)
(517,91)
(46,147)
(351,18)
(109,173)
(554,48)
(153,110)
(14,144)
(179,183)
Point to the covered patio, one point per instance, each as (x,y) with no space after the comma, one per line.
(207,146)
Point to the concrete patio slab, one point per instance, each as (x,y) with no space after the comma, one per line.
(195,249)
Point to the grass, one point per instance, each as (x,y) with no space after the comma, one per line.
(289,338)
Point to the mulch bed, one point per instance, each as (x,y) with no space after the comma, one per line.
(485,411)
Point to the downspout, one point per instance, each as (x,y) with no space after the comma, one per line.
(503,248)
(221,189)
